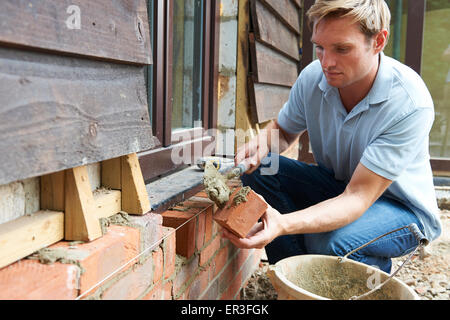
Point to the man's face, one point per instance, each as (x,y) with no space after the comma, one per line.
(343,50)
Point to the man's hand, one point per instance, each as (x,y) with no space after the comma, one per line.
(261,234)
(252,153)
(258,148)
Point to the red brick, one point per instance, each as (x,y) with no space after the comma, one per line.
(242,256)
(209,250)
(150,227)
(186,271)
(186,234)
(250,265)
(156,293)
(227,275)
(234,183)
(32,280)
(220,260)
(158,263)
(204,209)
(212,292)
(240,219)
(160,291)
(169,252)
(233,289)
(200,231)
(167,290)
(106,255)
(208,225)
(132,284)
(198,285)
(202,194)
(215,228)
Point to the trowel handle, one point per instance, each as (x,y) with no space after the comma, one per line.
(243,167)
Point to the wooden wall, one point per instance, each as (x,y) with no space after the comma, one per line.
(72,84)
(274,55)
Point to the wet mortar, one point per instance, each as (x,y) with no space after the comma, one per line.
(216,185)
(337,281)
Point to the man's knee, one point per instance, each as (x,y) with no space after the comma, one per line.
(327,243)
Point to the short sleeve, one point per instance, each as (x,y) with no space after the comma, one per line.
(291,117)
(396,148)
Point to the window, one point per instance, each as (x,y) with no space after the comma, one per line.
(436,73)
(182,83)
(187,64)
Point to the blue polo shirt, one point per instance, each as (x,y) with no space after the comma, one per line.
(388,132)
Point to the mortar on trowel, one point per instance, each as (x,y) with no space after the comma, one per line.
(238,209)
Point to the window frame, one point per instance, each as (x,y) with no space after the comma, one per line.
(157,161)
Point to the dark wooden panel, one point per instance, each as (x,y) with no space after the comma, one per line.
(268,66)
(113,29)
(414,35)
(286,11)
(60,112)
(168,73)
(159,47)
(266,100)
(297,3)
(307,46)
(272,32)
(215,47)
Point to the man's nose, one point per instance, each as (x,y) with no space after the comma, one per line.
(328,60)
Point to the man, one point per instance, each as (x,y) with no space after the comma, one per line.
(368,118)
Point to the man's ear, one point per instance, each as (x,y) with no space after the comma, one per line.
(381,40)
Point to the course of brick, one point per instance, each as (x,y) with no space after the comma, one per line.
(194,262)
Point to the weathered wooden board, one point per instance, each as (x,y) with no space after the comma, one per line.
(297,3)
(25,235)
(111,29)
(58,113)
(286,11)
(80,220)
(268,66)
(272,32)
(266,100)
(134,194)
(107,203)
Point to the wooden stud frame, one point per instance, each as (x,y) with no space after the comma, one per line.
(71,211)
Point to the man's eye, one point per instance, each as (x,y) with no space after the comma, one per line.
(342,50)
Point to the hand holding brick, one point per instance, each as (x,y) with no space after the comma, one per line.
(239,217)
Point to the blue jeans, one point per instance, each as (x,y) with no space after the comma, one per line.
(297,185)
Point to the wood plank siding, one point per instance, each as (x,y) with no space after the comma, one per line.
(114,30)
(274,56)
(72,84)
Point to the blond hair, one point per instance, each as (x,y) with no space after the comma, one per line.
(372,15)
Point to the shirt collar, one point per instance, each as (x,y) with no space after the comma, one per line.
(381,87)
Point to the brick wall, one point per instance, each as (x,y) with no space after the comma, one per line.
(194,262)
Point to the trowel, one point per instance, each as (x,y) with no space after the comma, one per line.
(216,184)
(237,171)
